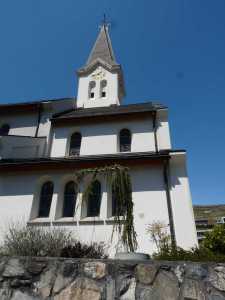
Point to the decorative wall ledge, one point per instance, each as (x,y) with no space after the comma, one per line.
(91,221)
(40,222)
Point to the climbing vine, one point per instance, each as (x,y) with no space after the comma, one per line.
(117,178)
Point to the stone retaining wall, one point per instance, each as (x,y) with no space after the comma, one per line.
(74,279)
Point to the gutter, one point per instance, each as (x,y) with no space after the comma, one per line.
(155,130)
(39,119)
(169,203)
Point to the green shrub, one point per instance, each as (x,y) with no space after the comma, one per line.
(80,250)
(195,254)
(22,240)
(215,240)
(212,247)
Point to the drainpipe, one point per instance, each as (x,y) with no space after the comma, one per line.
(169,204)
(39,119)
(155,130)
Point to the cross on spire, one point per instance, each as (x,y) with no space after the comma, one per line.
(102,48)
(105,23)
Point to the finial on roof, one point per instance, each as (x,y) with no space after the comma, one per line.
(102,48)
(104,21)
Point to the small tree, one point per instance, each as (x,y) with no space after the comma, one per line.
(215,239)
(159,235)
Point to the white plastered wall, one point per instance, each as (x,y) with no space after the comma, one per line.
(163,132)
(21,123)
(25,124)
(19,201)
(181,202)
(102,138)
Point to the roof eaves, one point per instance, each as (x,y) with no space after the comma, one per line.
(35,102)
(98,61)
(130,155)
(112,110)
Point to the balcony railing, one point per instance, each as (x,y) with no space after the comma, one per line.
(16,146)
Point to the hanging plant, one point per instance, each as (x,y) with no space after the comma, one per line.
(118,179)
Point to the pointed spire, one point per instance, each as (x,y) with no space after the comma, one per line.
(102,48)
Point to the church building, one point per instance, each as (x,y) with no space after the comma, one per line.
(43,144)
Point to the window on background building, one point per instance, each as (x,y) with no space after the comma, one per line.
(117,209)
(75,144)
(94,200)
(92,86)
(4,129)
(103,85)
(45,199)
(125,140)
(70,197)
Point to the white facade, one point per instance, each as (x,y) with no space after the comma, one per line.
(46,133)
(106,134)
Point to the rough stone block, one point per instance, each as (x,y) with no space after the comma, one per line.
(110,288)
(192,289)
(146,273)
(165,287)
(179,271)
(5,294)
(35,267)
(196,272)
(18,295)
(143,292)
(130,293)
(217,278)
(95,270)
(20,283)
(65,275)
(46,282)
(14,268)
(81,289)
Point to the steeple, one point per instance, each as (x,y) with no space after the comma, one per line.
(102,48)
(101,78)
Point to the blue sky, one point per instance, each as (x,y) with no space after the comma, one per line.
(172,51)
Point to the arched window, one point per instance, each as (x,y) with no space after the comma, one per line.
(45,199)
(70,197)
(103,85)
(91,90)
(125,140)
(75,143)
(94,200)
(117,209)
(4,129)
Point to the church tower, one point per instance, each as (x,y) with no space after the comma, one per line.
(100,81)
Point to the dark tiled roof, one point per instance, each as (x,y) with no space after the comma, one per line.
(35,102)
(123,155)
(109,111)
(30,104)
(87,159)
